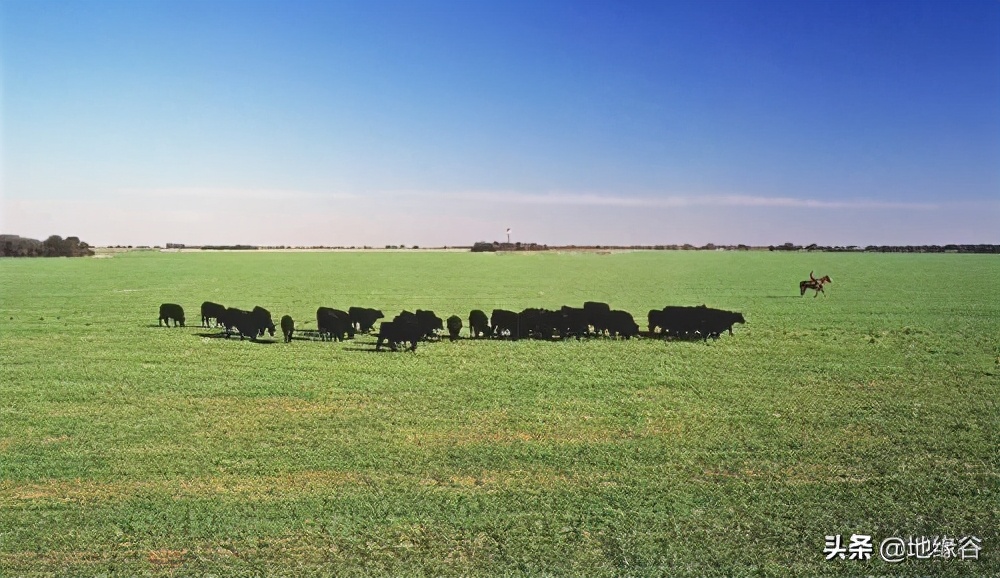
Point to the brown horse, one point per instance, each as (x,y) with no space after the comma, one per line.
(814,283)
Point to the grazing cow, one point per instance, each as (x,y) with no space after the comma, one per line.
(170,311)
(694,322)
(333,324)
(229,317)
(597,315)
(814,283)
(210,311)
(454,327)
(346,318)
(621,324)
(655,319)
(250,324)
(505,324)
(539,323)
(530,322)
(682,322)
(574,322)
(399,331)
(407,316)
(246,323)
(363,319)
(263,318)
(429,323)
(287,327)
(715,321)
(479,324)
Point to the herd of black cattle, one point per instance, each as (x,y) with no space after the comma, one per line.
(592,320)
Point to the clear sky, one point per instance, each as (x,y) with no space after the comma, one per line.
(444,123)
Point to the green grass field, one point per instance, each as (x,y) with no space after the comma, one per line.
(132,449)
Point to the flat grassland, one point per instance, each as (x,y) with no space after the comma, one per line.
(132,449)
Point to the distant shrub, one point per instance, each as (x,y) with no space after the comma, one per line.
(54,246)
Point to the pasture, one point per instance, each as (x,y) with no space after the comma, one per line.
(132,449)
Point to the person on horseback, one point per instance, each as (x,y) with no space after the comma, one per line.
(814,283)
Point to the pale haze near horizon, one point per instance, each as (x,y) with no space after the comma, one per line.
(441,123)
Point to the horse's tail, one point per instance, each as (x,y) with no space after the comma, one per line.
(811,278)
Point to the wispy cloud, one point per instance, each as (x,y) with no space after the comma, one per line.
(233,194)
(676,201)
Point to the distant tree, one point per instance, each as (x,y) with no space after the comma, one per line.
(53,246)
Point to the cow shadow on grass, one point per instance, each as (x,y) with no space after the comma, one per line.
(307,339)
(211,335)
(235,337)
(366,349)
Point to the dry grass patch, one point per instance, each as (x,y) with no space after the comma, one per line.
(89,491)
(167,558)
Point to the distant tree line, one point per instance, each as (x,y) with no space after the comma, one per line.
(229,247)
(980,248)
(484,246)
(54,246)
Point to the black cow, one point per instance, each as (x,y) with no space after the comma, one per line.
(399,331)
(530,322)
(228,318)
(263,317)
(715,321)
(429,323)
(363,319)
(346,318)
(250,324)
(479,324)
(333,324)
(682,322)
(574,322)
(505,324)
(621,324)
(210,311)
(454,327)
(655,319)
(246,323)
(540,323)
(597,316)
(407,316)
(170,311)
(287,327)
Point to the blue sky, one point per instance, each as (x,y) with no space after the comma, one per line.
(443,123)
